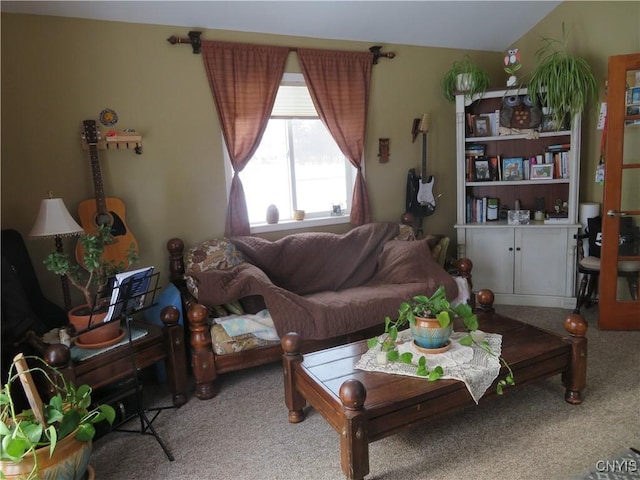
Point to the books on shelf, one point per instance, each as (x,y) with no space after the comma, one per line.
(481,210)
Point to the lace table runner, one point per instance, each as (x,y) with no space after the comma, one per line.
(472,365)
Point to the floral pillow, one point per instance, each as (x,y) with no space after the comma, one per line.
(218,254)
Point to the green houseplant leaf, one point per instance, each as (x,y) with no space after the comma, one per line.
(561,81)
(478,79)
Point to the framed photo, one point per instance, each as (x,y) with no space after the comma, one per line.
(482,127)
(512,169)
(543,171)
(635,96)
(481,170)
(475,149)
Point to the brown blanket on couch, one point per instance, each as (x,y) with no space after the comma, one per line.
(322,285)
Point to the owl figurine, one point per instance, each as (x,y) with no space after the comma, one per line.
(512,65)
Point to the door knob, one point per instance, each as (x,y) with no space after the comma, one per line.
(615,213)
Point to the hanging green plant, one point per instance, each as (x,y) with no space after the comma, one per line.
(464,76)
(562,82)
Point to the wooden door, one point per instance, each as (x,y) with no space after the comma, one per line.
(617,310)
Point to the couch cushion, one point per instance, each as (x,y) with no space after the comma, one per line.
(310,262)
(218,253)
(412,262)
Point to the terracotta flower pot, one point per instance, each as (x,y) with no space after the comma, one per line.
(70,461)
(96,336)
(427,333)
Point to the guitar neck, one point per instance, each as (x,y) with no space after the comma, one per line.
(101,204)
(423,177)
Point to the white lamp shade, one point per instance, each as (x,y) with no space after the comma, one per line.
(54,220)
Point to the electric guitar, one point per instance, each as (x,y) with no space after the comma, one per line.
(424,203)
(104,211)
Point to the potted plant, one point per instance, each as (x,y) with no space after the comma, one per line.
(91,278)
(50,441)
(561,82)
(464,76)
(440,310)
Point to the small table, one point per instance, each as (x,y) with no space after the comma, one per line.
(160,343)
(366,406)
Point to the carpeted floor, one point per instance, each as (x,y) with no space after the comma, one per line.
(529,433)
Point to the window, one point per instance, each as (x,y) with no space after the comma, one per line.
(298,165)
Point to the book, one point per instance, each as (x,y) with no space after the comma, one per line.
(492,209)
(128,292)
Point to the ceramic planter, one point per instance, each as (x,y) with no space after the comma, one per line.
(97,336)
(70,461)
(427,333)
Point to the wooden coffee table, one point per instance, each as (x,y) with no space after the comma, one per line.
(366,406)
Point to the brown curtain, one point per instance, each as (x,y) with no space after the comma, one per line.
(339,86)
(244,80)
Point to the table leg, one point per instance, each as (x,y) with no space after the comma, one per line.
(354,437)
(576,378)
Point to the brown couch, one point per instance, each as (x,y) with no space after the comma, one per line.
(329,288)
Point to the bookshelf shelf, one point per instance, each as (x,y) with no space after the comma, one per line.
(508,257)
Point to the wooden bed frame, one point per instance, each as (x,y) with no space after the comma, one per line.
(207,365)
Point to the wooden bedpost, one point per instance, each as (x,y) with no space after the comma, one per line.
(202,357)
(176,360)
(292,344)
(575,379)
(464,266)
(175,246)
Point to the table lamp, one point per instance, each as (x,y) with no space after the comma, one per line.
(55,221)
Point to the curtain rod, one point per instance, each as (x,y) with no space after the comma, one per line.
(196,43)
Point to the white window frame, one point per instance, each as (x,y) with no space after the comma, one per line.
(282,225)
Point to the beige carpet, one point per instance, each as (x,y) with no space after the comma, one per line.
(530,433)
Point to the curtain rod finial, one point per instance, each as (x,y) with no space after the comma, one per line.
(377,53)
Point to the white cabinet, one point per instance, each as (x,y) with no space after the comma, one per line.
(523,265)
(531,264)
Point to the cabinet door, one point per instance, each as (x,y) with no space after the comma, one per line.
(491,251)
(540,261)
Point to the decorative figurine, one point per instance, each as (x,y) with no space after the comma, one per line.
(512,65)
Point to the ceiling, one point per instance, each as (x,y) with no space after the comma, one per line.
(469,25)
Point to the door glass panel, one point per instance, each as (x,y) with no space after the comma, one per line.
(631,145)
(629,237)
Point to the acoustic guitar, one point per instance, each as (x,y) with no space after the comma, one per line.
(101,211)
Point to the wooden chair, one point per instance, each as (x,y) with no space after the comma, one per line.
(589,265)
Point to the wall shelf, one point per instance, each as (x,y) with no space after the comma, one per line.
(121,142)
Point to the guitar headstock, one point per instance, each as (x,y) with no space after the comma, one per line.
(90,134)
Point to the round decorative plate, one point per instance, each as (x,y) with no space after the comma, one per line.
(108,117)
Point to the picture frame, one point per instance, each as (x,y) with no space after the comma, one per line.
(542,171)
(633,96)
(481,170)
(475,149)
(482,127)
(512,169)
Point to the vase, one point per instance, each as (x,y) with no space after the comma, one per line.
(69,461)
(427,333)
(97,336)
(273,215)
